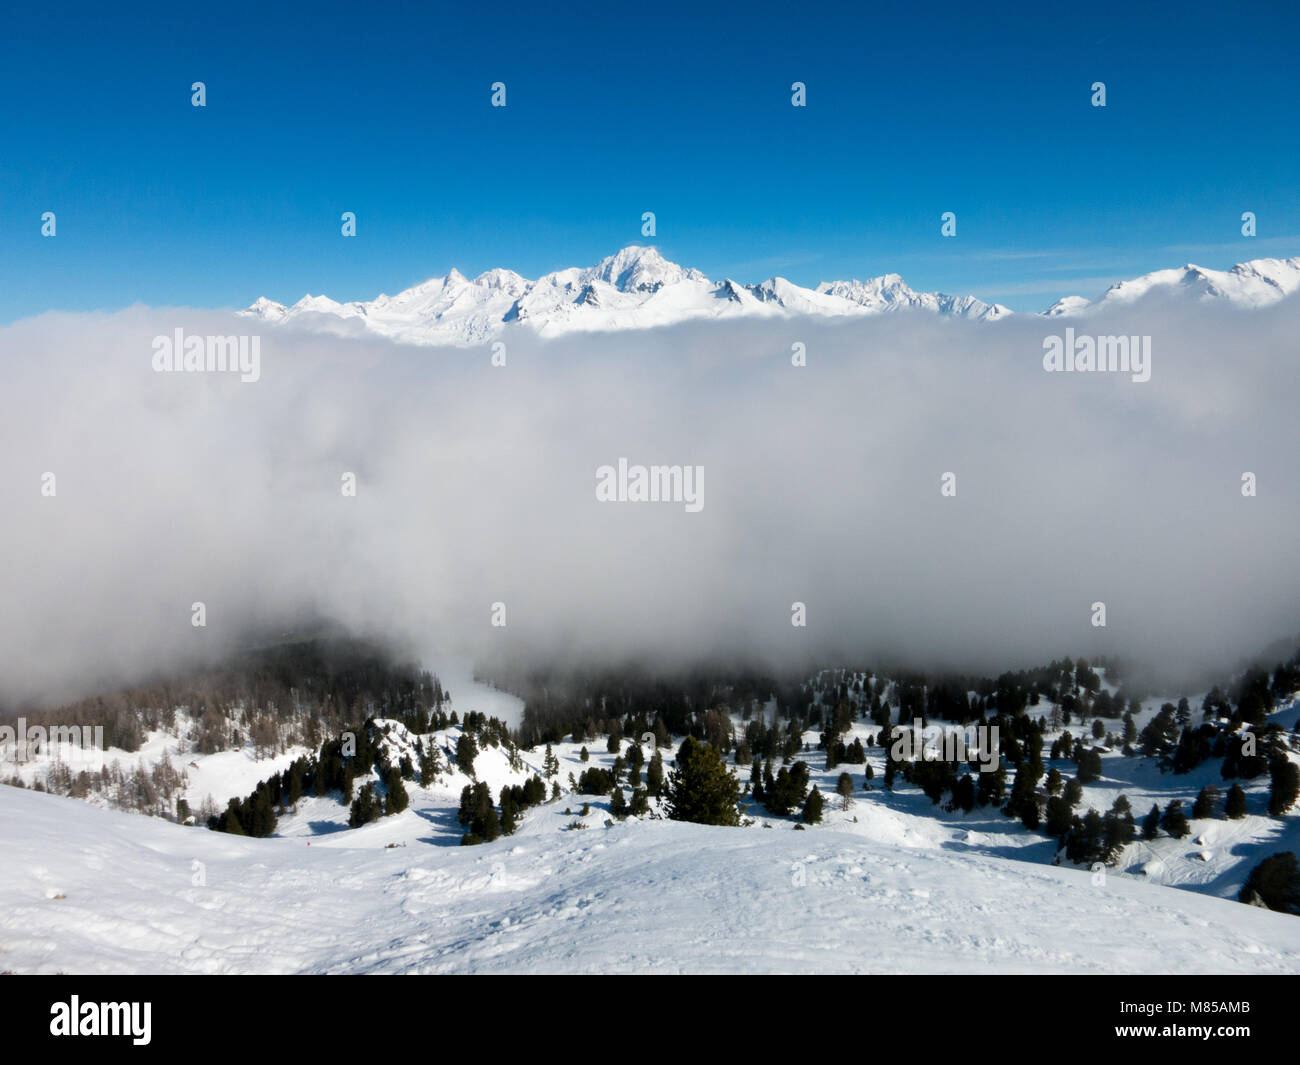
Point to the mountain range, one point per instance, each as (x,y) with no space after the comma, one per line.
(638,288)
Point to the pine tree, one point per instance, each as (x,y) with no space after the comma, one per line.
(1174,820)
(654,775)
(701,788)
(1275,882)
(1023,802)
(508,820)
(491,829)
(812,807)
(1086,841)
(1284,786)
(1089,766)
(229,821)
(1120,829)
(533,791)
(617,803)
(1151,823)
(844,788)
(397,799)
(788,790)
(365,809)
(640,804)
(1234,807)
(1205,802)
(550,764)
(466,752)
(1059,816)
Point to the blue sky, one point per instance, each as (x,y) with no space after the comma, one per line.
(383,109)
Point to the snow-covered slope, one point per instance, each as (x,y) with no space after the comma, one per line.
(635,289)
(90,890)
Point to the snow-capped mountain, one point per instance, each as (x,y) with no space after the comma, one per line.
(1250,284)
(638,288)
(635,289)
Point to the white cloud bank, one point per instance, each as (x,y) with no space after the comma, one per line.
(476,484)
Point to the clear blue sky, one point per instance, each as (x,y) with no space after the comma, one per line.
(615,109)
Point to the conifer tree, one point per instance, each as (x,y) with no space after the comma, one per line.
(1234,806)
(812,808)
(654,774)
(1086,841)
(1059,816)
(1174,820)
(466,752)
(1023,796)
(701,788)
(640,804)
(844,788)
(1089,766)
(1151,823)
(1284,785)
(617,803)
(1275,882)
(491,827)
(365,809)
(397,800)
(1121,830)
(1205,802)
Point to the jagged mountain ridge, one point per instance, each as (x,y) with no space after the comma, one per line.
(638,288)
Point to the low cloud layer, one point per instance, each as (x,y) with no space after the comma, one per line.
(476,485)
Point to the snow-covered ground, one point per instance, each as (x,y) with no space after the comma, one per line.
(90,890)
(892,883)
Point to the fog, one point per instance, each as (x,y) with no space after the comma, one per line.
(476,484)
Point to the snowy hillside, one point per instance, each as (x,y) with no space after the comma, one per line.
(372,874)
(86,890)
(638,288)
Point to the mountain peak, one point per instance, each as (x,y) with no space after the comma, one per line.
(637,288)
(639,269)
